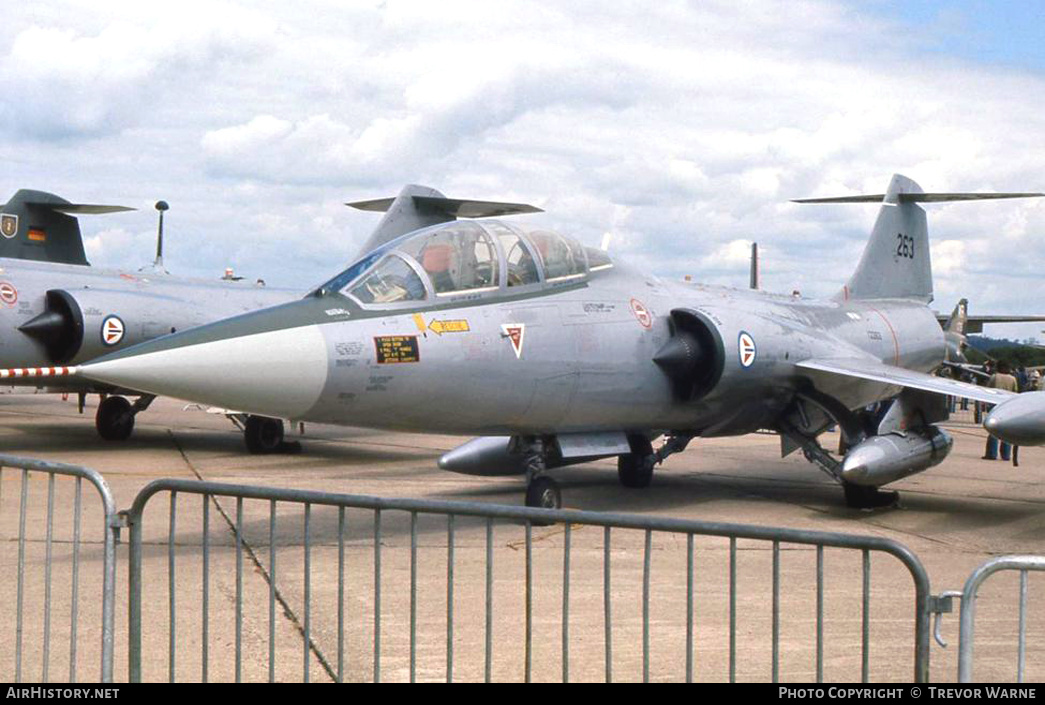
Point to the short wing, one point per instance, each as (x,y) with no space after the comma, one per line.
(897,376)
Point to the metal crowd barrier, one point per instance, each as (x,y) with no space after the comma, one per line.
(109,528)
(967,637)
(611,525)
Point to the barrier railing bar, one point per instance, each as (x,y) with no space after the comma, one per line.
(47,578)
(566,606)
(776,611)
(239,589)
(75,599)
(28,465)
(647,524)
(341,595)
(489,601)
(607,606)
(172,630)
(732,609)
(205,627)
(689,608)
(413,597)
(529,601)
(272,591)
(306,642)
(819,614)
(966,638)
(1022,656)
(645,605)
(450,598)
(21,576)
(377,596)
(866,640)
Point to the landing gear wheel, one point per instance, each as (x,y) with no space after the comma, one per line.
(635,469)
(114,419)
(263,435)
(860,497)
(543,493)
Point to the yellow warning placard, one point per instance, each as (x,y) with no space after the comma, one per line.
(392,349)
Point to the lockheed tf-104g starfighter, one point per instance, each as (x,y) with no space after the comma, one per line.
(554,353)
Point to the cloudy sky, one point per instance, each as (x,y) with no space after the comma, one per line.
(681,128)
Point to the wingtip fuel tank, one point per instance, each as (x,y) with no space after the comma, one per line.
(1019,420)
(880,460)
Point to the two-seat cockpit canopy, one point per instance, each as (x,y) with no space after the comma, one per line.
(466,258)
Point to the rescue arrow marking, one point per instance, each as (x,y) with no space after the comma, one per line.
(440,327)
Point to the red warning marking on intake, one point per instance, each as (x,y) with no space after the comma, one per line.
(642,313)
(8,293)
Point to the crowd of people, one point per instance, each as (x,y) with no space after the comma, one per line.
(1000,375)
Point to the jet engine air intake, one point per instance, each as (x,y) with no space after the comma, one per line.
(59,328)
(694,357)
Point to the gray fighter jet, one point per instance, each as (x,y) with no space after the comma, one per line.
(959,325)
(554,353)
(55,309)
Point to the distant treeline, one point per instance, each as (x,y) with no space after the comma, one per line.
(1015,353)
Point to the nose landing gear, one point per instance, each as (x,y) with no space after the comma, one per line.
(115,416)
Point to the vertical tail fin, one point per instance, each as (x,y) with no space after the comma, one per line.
(36,225)
(895,263)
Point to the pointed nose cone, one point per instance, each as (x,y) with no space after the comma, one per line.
(271,362)
(1020,420)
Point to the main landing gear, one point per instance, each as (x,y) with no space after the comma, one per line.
(634,469)
(856,496)
(542,492)
(264,435)
(115,416)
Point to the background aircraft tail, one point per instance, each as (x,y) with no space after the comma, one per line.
(896,262)
(36,225)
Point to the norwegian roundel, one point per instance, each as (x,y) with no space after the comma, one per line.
(112,330)
(747,350)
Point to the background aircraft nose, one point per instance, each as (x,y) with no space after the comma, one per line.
(265,370)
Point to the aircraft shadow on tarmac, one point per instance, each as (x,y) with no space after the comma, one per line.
(82,438)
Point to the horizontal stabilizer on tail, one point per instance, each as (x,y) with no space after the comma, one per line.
(455,207)
(420,206)
(919,197)
(895,263)
(86,208)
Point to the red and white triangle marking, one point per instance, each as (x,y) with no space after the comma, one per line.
(515,332)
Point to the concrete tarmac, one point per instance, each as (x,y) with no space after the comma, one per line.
(953,517)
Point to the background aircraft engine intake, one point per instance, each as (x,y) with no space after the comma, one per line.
(82,324)
(694,357)
(882,459)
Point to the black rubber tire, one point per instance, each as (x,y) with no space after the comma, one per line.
(263,435)
(114,419)
(634,469)
(860,497)
(543,493)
